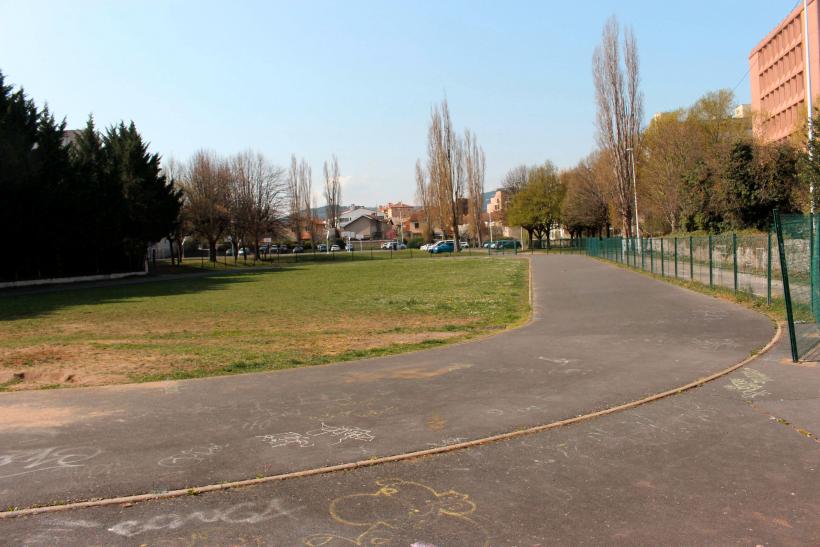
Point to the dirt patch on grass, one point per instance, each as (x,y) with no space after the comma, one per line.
(69,365)
(30,417)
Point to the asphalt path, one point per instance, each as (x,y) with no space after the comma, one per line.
(600,336)
(736,462)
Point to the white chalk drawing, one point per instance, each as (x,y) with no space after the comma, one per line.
(530,408)
(356,413)
(304,440)
(447,442)
(324,398)
(191,456)
(14,463)
(495,412)
(559,361)
(264,418)
(247,513)
(751,386)
(277,440)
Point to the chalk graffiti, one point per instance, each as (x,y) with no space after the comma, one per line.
(248,513)
(14,463)
(447,442)
(404,513)
(304,440)
(559,361)
(751,386)
(191,456)
(263,418)
(356,413)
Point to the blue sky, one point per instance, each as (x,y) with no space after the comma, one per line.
(358,78)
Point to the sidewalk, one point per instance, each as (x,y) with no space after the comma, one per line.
(734,462)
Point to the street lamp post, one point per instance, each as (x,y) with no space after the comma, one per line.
(635,194)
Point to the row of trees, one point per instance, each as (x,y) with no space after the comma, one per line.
(696,168)
(245,198)
(87,207)
(451,184)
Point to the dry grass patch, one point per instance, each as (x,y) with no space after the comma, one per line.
(302,315)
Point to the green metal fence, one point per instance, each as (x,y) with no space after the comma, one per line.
(783,264)
(798,239)
(741,262)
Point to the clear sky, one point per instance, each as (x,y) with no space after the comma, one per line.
(358,78)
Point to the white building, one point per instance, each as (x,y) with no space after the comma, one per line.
(354,213)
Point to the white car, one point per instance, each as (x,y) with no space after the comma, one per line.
(334,248)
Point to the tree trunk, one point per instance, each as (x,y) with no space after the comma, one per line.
(212,249)
(171,247)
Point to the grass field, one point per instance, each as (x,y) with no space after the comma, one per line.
(297,315)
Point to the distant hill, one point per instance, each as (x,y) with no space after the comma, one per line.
(487,197)
(321,212)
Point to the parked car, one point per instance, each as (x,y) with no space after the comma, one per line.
(321,247)
(487,245)
(334,248)
(297,249)
(425,247)
(394,245)
(263,249)
(508,244)
(443,247)
(464,244)
(283,248)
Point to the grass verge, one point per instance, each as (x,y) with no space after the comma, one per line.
(295,315)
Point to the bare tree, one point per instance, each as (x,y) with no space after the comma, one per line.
(620,109)
(205,182)
(239,203)
(264,193)
(445,165)
(174,172)
(475,168)
(515,180)
(425,198)
(305,175)
(586,204)
(333,191)
(294,198)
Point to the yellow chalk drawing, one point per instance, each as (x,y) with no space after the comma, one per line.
(402,513)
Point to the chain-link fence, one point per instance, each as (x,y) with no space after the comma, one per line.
(743,263)
(798,239)
(783,268)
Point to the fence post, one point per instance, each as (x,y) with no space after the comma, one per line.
(769,267)
(784,272)
(663,268)
(734,257)
(651,255)
(643,262)
(676,258)
(711,280)
(691,260)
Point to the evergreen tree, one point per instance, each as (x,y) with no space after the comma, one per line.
(152,204)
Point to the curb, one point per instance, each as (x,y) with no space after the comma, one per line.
(396,457)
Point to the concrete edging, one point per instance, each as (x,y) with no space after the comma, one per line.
(396,457)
